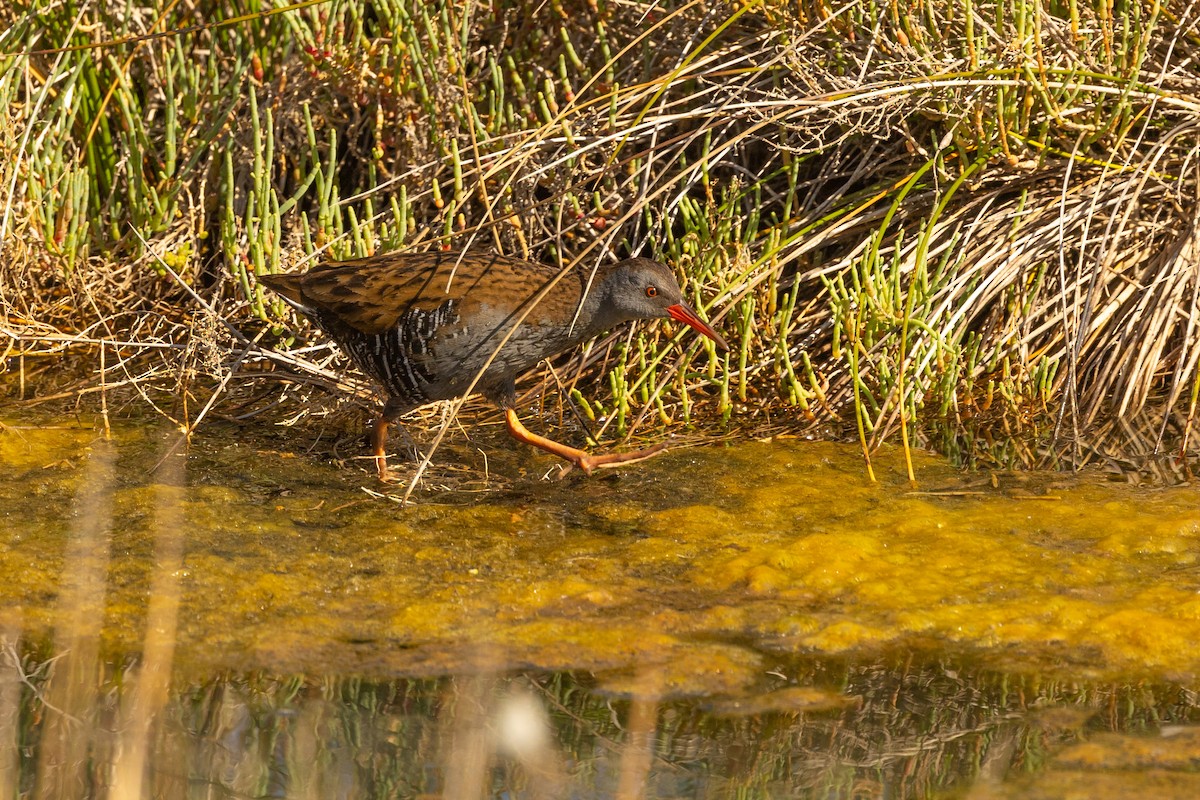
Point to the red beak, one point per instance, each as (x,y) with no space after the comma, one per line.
(684,313)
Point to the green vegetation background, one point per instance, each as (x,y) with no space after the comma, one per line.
(971,225)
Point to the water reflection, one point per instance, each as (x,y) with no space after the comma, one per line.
(907,730)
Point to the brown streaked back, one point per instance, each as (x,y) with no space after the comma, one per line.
(372,294)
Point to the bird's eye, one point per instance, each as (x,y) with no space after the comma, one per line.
(651,291)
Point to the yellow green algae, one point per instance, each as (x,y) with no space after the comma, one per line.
(707,556)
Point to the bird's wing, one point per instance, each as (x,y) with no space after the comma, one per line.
(371,295)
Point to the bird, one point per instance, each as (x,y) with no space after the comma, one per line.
(438,325)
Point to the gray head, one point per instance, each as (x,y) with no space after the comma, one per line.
(640,288)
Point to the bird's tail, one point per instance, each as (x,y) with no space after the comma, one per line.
(287,287)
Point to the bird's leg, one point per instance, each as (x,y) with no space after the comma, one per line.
(579,458)
(388,414)
(378,442)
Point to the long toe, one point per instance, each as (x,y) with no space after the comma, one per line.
(381,469)
(611,460)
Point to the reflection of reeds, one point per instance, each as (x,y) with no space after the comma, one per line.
(72,691)
(11,683)
(466,755)
(915,731)
(77,749)
(487,723)
(637,755)
(146,688)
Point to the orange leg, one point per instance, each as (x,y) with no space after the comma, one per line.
(379,445)
(577,457)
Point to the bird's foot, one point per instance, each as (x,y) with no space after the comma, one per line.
(381,469)
(578,458)
(589,463)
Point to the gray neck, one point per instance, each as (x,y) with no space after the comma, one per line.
(598,313)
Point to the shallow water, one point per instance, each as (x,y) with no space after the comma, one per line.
(752,620)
